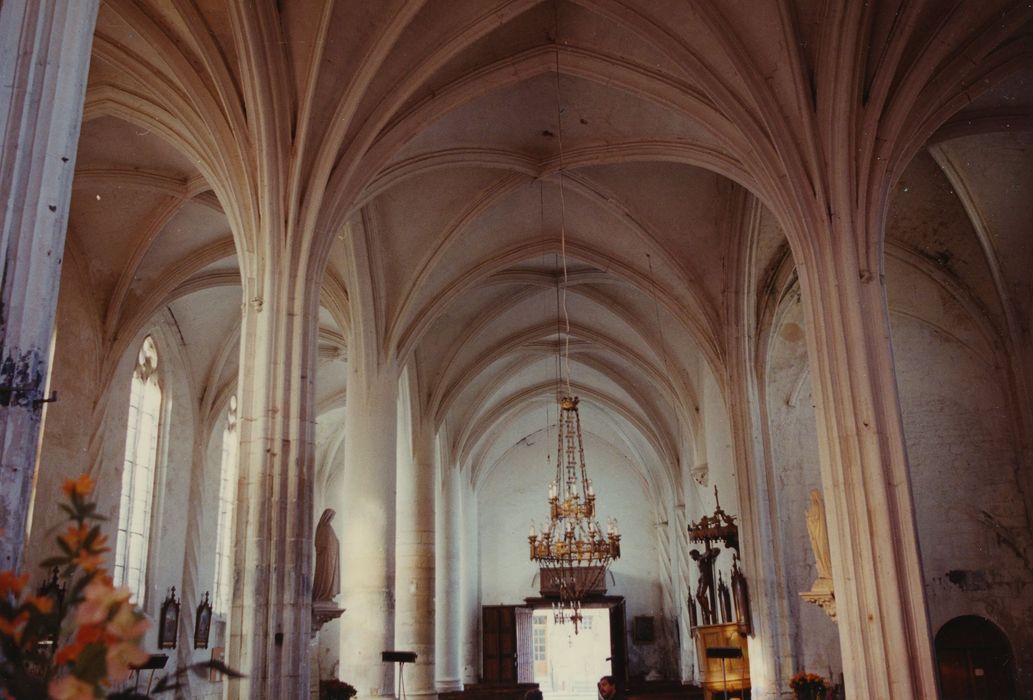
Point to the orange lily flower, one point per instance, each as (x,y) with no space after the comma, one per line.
(84,636)
(10,584)
(81,486)
(13,628)
(75,536)
(89,562)
(42,603)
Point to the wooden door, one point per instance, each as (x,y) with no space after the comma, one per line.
(525,645)
(618,642)
(499,644)
(974,660)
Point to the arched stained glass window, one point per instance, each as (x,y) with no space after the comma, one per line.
(227,499)
(138,473)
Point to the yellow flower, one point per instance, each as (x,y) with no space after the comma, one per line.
(80,487)
(121,657)
(126,624)
(70,688)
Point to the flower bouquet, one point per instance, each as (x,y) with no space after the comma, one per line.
(334,689)
(809,686)
(85,639)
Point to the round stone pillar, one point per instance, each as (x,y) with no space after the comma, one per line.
(270,620)
(368,530)
(414,554)
(449,658)
(470,641)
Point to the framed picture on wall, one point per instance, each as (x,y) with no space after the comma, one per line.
(203,623)
(168,624)
(643,630)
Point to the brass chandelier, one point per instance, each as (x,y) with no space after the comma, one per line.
(572,551)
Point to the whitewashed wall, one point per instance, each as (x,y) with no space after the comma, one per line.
(69,430)
(68,427)
(961,447)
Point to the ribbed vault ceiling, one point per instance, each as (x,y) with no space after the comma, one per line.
(483,147)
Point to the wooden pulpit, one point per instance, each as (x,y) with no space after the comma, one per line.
(723,657)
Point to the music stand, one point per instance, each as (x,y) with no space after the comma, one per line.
(401,657)
(724,653)
(153,663)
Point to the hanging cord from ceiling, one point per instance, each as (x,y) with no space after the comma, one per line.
(563,207)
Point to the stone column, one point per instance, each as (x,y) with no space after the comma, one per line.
(876,568)
(448,621)
(414,564)
(678,532)
(271,616)
(44,57)
(771,659)
(368,525)
(470,641)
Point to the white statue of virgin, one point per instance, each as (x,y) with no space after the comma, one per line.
(818,530)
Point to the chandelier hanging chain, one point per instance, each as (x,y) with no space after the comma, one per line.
(563,210)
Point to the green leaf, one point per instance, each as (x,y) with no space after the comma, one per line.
(167,684)
(200,669)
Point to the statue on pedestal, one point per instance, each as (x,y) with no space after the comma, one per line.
(821,593)
(326,580)
(326,575)
(817,528)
